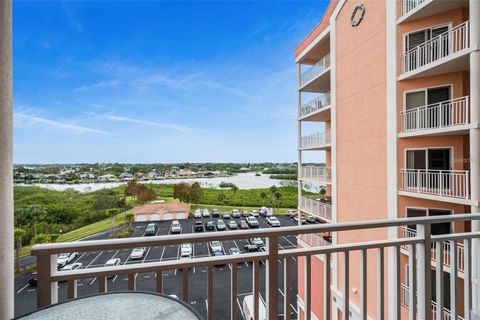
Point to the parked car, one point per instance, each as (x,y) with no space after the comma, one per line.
(234,251)
(209,225)
(252,222)
(226,216)
(247,307)
(254,213)
(176,227)
(292,213)
(65,258)
(242,224)
(205,213)
(137,253)
(33,279)
(221,225)
(151,229)
(215,213)
(273,221)
(256,242)
(216,246)
(264,211)
(304,220)
(218,254)
(311,219)
(232,225)
(197,214)
(198,227)
(112,263)
(245,213)
(235,213)
(72,266)
(186,250)
(251,248)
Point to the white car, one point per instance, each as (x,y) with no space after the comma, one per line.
(252,222)
(176,227)
(65,258)
(197,214)
(205,213)
(232,225)
(216,246)
(235,213)
(273,221)
(112,263)
(137,253)
(73,266)
(186,250)
(255,213)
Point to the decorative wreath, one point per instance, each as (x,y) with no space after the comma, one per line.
(354,19)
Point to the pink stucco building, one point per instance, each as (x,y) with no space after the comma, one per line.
(396,102)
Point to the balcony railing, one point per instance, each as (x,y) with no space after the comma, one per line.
(446,257)
(444,183)
(419,267)
(316,104)
(404,296)
(441,46)
(316,173)
(316,208)
(317,140)
(409,5)
(315,240)
(315,70)
(446,114)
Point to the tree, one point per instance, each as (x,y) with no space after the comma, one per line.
(234,189)
(132,188)
(263,195)
(273,190)
(35,214)
(277,195)
(19,235)
(112,213)
(196,193)
(130,218)
(181,191)
(145,194)
(221,197)
(41,238)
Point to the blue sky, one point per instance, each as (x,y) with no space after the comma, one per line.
(157,81)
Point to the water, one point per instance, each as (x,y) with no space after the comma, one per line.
(242,180)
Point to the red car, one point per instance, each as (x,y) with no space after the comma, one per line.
(292,213)
(242,224)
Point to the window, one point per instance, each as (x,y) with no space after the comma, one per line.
(431,159)
(437,228)
(434,113)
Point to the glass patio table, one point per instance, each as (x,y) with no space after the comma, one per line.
(118,306)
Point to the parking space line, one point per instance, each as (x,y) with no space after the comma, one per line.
(22,288)
(94,259)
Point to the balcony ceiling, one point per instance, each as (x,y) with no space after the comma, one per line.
(432,7)
(321,115)
(320,84)
(319,50)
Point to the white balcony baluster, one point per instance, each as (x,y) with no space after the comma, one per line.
(316,208)
(454,112)
(316,140)
(409,5)
(315,70)
(316,104)
(316,173)
(441,46)
(444,183)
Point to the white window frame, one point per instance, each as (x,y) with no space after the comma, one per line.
(425,90)
(426,158)
(406,34)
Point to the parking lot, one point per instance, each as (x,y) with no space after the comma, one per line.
(25,295)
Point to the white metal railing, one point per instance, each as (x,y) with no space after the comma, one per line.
(446,249)
(316,140)
(316,173)
(314,240)
(316,208)
(454,112)
(446,183)
(443,45)
(409,5)
(404,301)
(316,104)
(419,265)
(315,70)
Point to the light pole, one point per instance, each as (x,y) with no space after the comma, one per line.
(6,162)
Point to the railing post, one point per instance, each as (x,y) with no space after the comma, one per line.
(424,274)
(272,278)
(47,291)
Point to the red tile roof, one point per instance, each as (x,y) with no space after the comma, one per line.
(318,29)
(162,208)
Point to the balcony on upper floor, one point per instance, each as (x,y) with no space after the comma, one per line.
(318,109)
(416,9)
(316,141)
(446,117)
(315,174)
(316,207)
(444,53)
(317,77)
(440,185)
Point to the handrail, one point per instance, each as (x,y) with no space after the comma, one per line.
(315,70)
(316,104)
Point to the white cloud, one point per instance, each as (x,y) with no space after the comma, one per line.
(24,118)
(99,85)
(176,127)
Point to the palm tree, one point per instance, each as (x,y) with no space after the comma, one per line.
(273,190)
(36,213)
(19,234)
(130,218)
(234,189)
(263,195)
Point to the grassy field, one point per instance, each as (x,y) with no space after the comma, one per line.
(84,231)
